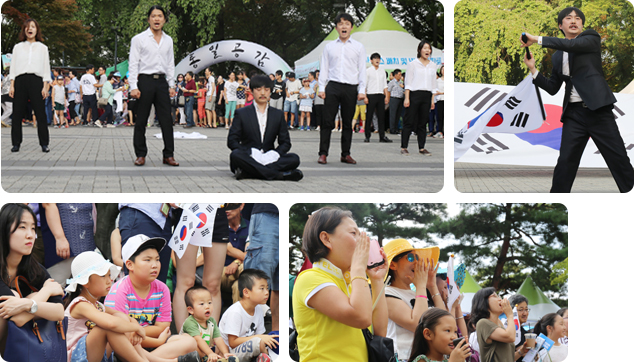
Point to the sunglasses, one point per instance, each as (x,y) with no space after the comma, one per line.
(411,257)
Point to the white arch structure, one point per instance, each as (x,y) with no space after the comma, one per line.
(233,50)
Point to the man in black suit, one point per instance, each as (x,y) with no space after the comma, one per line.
(252,139)
(588,101)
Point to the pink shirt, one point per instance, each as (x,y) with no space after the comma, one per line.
(78,328)
(156,307)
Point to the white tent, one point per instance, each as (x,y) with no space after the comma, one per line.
(379,33)
(538,302)
(629,89)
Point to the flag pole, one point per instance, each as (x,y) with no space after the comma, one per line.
(541,104)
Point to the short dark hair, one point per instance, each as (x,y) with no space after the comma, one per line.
(429,320)
(191,74)
(317,71)
(141,249)
(38,34)
(90,66)
(344,16)
(375,55)
(158,7)
(192,290)
(290,75)
(420,47)
(259,80)
(279,72)
(517,299)
(325,219)
(248,277)
(313,74)
(396,71)
(480,305)
(565,12)
(111,75)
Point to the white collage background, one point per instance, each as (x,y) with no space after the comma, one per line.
(600,232)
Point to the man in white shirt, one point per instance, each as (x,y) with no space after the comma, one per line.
(152,83)
(210,103)
(377,97)
(343,69)
(293,85)
(252,138)
(88,92)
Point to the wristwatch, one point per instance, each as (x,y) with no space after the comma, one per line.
(33,308)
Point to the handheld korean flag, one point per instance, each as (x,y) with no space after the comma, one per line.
(205,229)
(516,320)
(519,111)
(454,293)
(184,231)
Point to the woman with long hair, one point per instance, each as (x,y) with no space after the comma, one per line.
(420,85)
(496,342)
(30,77)
(17,231)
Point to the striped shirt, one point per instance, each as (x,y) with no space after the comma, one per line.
(156,307)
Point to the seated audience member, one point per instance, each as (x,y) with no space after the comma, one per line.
(17,231)
(252,139)
(242,325)
(234,261)
(141,296)
(202,326)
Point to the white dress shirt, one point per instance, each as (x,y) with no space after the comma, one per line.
(419,77)
(376,83)
(262,118)
(441,88)
(149,57)
(30,58)
(565,70)
(344,63)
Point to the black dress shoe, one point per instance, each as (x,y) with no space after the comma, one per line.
(239,174)
(366,140)
(46,149)
(15,148)
(385,139)
(294,175)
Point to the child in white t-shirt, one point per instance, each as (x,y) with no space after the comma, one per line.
(242,325)
(306,96)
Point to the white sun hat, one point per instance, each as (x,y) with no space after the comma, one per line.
(134,243)
(87,264)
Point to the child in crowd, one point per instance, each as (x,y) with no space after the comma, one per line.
(242,325)
(59,100)
(359,111)
(306,96)
(96,332)
(202,326)
(147,300)
(552,325)
(433,339)
(202,91)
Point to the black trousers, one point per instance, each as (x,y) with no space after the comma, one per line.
(153,92)
(241,158)
(344,95)
(396,107)
(107,115)
(90,102)
(416,118)
(71,109)
(440,116)
(376,102)
(318,115)
(579,123)
(28,87)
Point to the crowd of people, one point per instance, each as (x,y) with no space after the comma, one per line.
(337,296)
(212,299)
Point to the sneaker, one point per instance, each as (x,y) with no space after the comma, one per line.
(438,135)
(308,128)
(55,126)
(190,357)
(263,357)
(66,125)
(361,130)
(111,126)
(98,124)
(317,129)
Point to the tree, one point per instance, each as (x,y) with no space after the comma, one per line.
(67,39)
(487,35)
(505,241)
(383,221)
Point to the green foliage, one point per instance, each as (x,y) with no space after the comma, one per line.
(487,32)
(504,242)
(383,221)
(559,275)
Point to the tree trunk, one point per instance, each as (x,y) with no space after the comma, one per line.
(499,267)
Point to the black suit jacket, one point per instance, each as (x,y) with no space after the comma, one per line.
(245,131)
(586,72)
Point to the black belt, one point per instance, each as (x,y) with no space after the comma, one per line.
(344,84)
(578,104)
(154,76)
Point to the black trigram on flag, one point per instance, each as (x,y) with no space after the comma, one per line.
(512,102)
(205,232)
(194,207)
(209,208)
(520,120)
(176,239)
